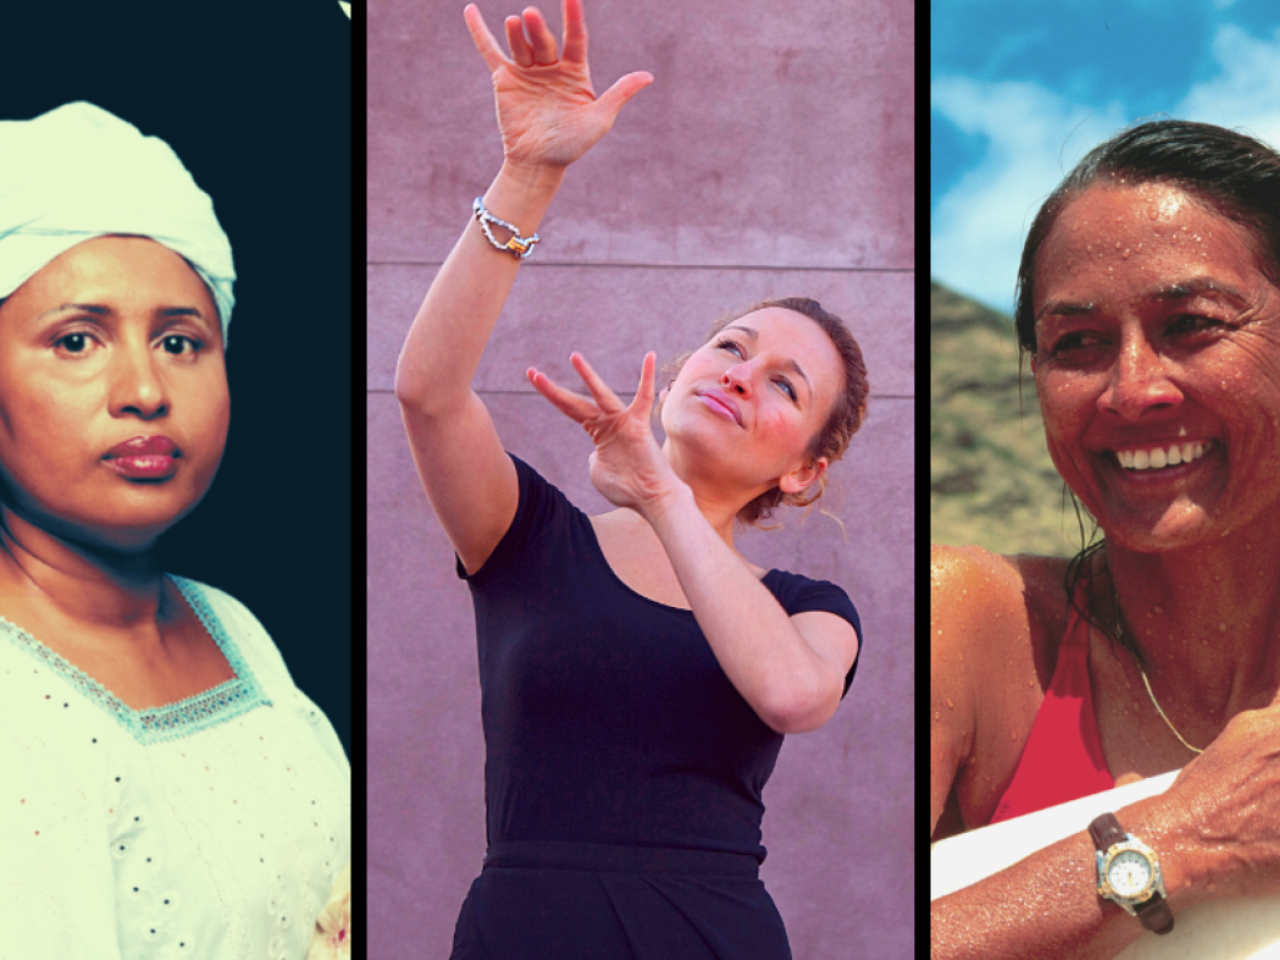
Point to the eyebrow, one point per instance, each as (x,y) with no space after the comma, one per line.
(98,310)
(1181,290)
(789,363)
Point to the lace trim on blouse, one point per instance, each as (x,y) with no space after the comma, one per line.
(183,718)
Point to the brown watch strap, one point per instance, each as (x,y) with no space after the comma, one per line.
(1155,913)
(1106,831)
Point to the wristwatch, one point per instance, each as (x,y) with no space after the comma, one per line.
(1129,874)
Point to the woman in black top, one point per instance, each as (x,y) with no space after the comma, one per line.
(637,672)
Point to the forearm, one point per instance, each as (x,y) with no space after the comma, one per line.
(753,638)
(1048,906)
(453,325)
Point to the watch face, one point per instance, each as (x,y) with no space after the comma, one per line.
(1129,873)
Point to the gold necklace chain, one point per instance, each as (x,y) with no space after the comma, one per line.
(1145,682)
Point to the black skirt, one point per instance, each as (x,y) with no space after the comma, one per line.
(582,901)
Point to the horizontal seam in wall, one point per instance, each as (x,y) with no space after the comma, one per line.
(764,268)
(533,393)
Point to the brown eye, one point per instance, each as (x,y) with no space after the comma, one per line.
(178,345)
(73,342)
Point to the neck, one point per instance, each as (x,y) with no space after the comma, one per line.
(1206,620)
(720,502)
(90,584)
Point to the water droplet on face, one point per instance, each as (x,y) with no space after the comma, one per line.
(1117,242)
(1222,626)
(950,705)
(1125,255)
(1088,248)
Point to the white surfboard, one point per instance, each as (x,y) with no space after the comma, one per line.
(1246,928)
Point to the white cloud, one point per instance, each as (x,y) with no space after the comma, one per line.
(1034,136)
(1246,94)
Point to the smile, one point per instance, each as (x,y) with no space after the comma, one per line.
(1160,458)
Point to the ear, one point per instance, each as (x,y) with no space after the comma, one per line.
(802,478)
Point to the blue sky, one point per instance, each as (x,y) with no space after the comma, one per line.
(1021,91)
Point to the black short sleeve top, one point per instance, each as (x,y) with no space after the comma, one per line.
(607,718)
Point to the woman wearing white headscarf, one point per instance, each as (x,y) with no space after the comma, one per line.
(167,790)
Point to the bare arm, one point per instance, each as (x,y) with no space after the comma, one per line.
(790,669)
(1217,830)
(549,116)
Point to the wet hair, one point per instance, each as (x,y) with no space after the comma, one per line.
(1234,175)
(847,413)
(1231,174)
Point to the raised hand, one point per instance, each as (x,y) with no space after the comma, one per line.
(548,112)
(627,465)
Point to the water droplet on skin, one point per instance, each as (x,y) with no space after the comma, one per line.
(1159,609)
(1117,242)
(1173,238)
(1222,626)
(950,705)
(937,715)
(1088,248)
(1125,255)
(1153,212)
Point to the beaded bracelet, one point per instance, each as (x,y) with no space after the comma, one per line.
(518,246)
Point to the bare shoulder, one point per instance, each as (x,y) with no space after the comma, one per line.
(974,591)
(991,651)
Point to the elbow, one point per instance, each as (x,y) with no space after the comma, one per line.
(407,389)
(801,709)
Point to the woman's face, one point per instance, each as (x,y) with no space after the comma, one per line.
(113,392)
(749,402)
(1158,366)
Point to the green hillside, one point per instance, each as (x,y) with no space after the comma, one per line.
(991,480)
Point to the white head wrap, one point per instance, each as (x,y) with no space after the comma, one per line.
(79,172)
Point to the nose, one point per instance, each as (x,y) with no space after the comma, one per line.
(738,379)
(1139,381)
(137,387)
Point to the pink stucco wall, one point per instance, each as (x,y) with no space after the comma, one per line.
(772,156)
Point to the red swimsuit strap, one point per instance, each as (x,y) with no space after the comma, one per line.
(1063,758)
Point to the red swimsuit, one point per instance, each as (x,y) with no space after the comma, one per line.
(1063,757)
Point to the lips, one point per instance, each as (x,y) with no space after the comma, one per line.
(143,458)
(722,404)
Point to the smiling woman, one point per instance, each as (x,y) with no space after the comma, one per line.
(170,792)
(1149,299)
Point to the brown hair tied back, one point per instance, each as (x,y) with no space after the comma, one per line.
(847,413)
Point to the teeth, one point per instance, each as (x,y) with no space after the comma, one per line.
(1158,459)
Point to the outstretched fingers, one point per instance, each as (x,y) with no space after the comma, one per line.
(521,52)
(606,399)
(541,40)
(611,102)
(482,38)
(575,31)
(643,401)
(573,405)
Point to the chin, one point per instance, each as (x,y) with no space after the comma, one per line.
(1177,526)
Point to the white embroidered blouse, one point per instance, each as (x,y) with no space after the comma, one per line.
(211,828)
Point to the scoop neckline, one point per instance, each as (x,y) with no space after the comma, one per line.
(604,561)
